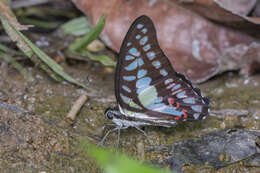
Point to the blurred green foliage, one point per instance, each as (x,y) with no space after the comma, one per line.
(77,27)
(114,162)
(81,25)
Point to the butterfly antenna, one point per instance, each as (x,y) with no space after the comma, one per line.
(148,138)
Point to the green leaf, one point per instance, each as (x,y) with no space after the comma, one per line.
(77,27)
(11,25)
(8,26)
(39,23)
(50,62)
(9,50)
(113,162)
(92,35)
(105,60)
(16,65)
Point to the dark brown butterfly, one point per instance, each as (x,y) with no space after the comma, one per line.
(148,89)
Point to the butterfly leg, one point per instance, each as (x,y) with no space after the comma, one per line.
(118,135)
(104,138)
(118,138)
(150,141)
(108,125)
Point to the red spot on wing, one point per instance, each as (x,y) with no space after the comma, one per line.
(178,105)
(177,118)
(184,113)
(171,101)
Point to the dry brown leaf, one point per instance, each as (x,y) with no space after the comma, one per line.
(243,15)
(195,46)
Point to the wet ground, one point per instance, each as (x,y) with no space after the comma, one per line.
(43,141)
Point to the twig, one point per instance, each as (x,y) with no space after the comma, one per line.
(76,107)
(13,108)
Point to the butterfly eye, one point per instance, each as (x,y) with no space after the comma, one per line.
(109,114)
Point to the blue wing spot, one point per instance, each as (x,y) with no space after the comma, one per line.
(158,100)
(196,108)
(131,66)
(129,57)
(144,30)
(126,88)
(134,52)
(147,47)
(129,44)
(155,106)
(189,100)
(181,95)
(144,82)
(163,72)
(150,55)
(139,90)
(156,64)
(196,116)
(139,26)
(170,110)
(129,78)
(141,73)
(138,36)
(167,81)
(125,99)
(170,86)
(140,62)
(143,40)
(178,86)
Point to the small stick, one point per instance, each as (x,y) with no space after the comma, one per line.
(71,116)
(13,108)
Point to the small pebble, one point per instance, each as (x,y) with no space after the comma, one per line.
(246,81)
(96,46)
(223,125)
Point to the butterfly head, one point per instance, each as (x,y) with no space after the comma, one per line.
(109,113)
(112,113)
(117,117)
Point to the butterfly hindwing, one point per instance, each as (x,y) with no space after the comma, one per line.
(146,82)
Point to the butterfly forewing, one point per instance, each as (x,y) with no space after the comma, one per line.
(146,82)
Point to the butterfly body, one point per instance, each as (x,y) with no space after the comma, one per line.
(125,119)
(148,89)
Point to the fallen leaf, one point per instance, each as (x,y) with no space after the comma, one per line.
(196,47)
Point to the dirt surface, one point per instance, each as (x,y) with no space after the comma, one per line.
(43,141)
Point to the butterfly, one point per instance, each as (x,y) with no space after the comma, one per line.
(148,90)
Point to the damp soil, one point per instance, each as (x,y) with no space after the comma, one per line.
(43,141)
